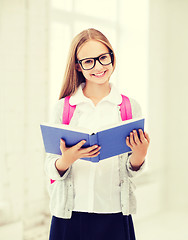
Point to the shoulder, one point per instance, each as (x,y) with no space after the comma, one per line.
(57,111)
(58,105)
(136,108)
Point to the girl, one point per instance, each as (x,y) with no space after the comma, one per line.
(93,200)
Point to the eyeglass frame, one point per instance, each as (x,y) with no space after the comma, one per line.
(96,59)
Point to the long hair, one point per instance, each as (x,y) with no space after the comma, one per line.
(72,77)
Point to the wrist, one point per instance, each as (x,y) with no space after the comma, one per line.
(61,165)
(136,161)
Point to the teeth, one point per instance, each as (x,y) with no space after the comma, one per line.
(99,74)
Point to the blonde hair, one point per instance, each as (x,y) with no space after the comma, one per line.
(72,77)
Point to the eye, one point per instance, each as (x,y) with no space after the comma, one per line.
(88,61)
(103,57)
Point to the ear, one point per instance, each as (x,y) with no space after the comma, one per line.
(78,68)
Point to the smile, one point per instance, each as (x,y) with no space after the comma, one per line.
(101,74)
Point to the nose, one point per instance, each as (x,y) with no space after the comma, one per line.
(98,65)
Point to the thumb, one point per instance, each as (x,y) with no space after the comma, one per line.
(62,145)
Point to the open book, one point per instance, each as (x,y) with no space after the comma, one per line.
(111,140)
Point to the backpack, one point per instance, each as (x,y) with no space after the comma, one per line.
(68,111)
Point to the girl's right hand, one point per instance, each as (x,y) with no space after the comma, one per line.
(71,154)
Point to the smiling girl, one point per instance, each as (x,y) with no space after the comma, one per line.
(93,200)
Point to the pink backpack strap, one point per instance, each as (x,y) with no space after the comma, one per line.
(125,108)
(52,181)
(67,111)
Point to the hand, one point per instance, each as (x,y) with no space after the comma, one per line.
(71,154)
(138,146)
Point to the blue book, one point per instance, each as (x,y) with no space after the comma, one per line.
(111,140)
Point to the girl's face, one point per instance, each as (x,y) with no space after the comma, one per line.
(99,74)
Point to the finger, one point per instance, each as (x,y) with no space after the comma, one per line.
(132,142)
(95,155)
(88,149)
(80,144)
(147,136)
(127,142)
(91,155)
(136,139)
(142,137)
(93,152)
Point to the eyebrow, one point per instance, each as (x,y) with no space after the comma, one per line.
(93,57)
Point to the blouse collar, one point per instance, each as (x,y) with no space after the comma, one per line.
(113,97)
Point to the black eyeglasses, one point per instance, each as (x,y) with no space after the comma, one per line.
(89,63)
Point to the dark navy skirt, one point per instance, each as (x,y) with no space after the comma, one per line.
(92,226)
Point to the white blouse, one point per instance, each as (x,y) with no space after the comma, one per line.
(103,187)
(96,185)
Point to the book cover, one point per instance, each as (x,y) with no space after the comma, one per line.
(111,140)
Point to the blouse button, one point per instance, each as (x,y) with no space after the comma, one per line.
(121,182)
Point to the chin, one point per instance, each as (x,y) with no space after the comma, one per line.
(99,81)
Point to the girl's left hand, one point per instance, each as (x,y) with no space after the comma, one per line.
(139,147)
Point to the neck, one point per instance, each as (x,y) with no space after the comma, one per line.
(96,92)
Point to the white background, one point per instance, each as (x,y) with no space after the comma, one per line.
(150,40)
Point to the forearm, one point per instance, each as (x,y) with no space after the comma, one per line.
(136,161)
(61,166)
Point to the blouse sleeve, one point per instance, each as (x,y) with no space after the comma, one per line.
(50,159)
